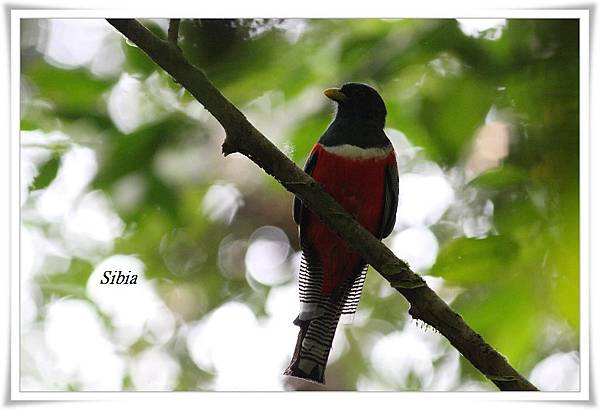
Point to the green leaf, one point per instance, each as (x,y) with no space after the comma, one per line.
(469,260)
(70,283)
(136,61)
(47,173)
(452,111)
(516,214)
(500,178)
(135,152)
(75,93)
(28,125)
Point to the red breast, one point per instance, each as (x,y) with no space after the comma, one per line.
(354,176)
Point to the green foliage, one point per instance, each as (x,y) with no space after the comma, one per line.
(74,94)
(439,85)
(467,261)
(452,113)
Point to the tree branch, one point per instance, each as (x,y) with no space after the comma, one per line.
(242,137)
(173,32)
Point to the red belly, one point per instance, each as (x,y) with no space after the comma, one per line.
(358,185)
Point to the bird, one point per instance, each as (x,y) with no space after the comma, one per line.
(355,162)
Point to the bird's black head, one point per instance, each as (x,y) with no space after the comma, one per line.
(358,101)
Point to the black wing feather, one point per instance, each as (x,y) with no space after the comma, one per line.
(390,201)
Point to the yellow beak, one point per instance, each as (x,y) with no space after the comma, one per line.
(335,94)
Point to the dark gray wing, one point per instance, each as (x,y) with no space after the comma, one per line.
(308,168)
(390,200)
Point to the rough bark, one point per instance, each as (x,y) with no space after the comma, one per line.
(242,137)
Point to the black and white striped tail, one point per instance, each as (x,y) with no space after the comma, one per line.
(319,317)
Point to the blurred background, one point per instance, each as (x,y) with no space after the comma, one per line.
(121,169)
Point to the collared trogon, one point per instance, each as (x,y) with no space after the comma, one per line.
(355,162)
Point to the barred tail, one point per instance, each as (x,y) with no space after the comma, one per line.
(319,316)
(314,344)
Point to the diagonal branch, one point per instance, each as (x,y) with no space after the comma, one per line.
(243,138)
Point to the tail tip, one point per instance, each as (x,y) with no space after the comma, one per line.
(307,370)
(299,374)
